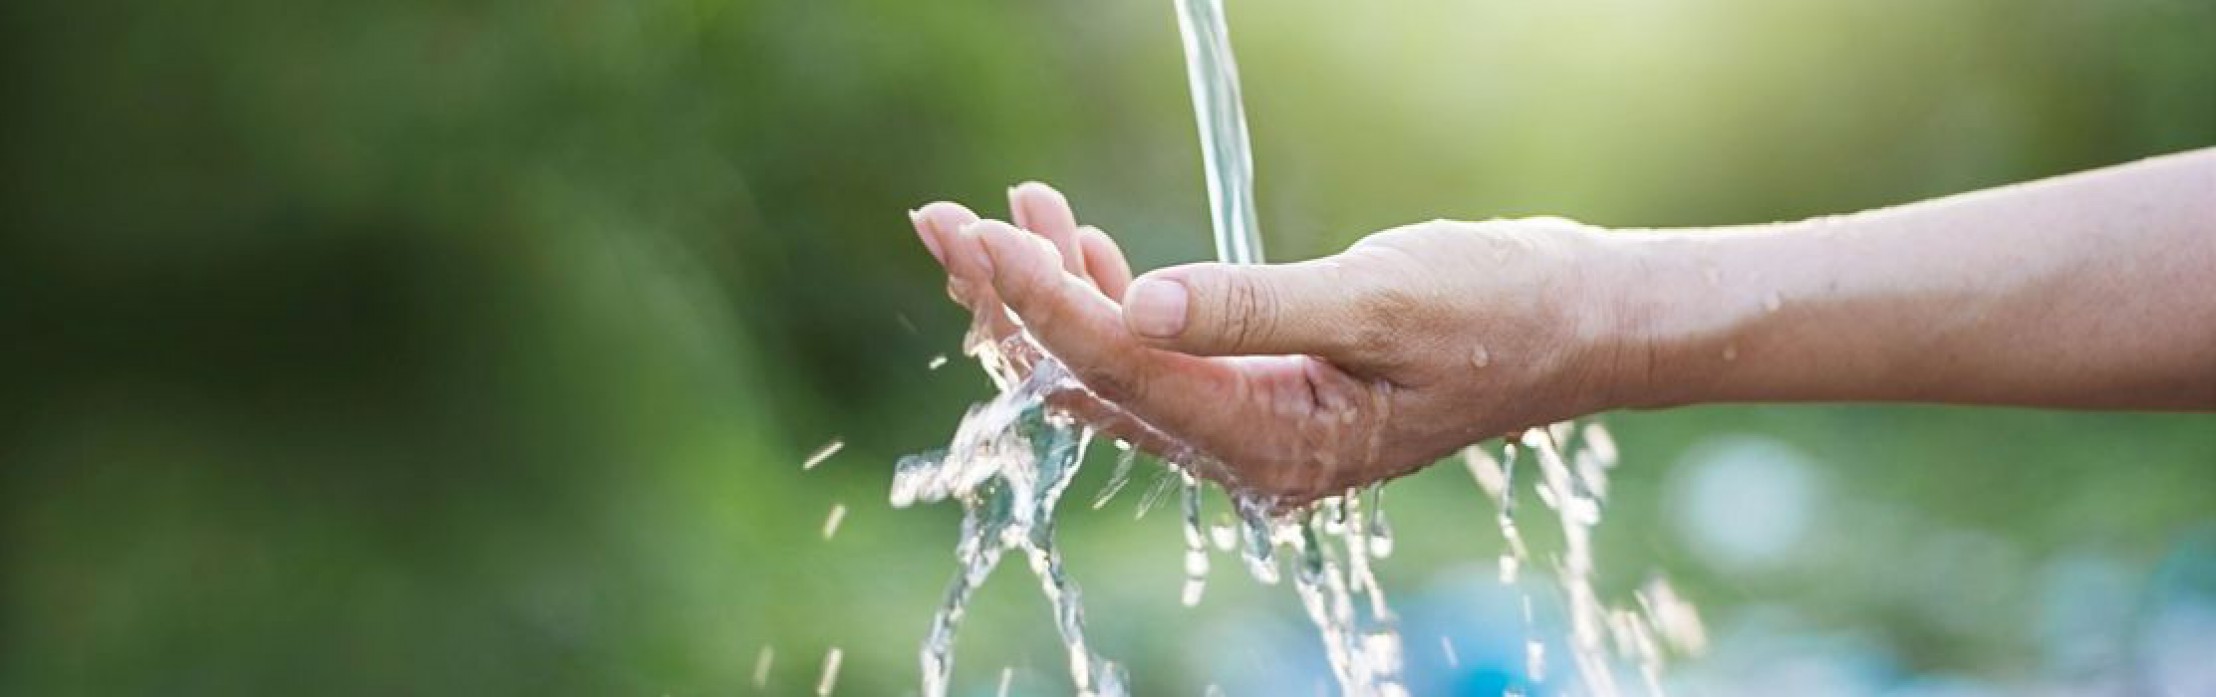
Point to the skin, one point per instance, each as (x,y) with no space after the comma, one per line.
(2094,291)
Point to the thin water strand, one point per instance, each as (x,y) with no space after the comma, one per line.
(1229,165)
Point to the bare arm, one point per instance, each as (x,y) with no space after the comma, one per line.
(2095,290)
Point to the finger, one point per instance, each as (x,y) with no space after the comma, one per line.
(1219,309)
(1043,211)
(969,276)
(930,238)
(1104,261)
(1082,328)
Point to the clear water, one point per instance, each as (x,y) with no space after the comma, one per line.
(1009,463)
(1012,458)
(1214,78)
(1574,487)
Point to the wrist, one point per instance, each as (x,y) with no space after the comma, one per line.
(1654,341)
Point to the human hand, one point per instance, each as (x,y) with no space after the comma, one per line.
(1300,380)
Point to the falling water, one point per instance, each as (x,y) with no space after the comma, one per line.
(1574,487)
(1012,458)
(1010,461)
(1214,78)
(1360,639)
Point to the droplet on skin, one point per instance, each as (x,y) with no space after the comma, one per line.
(1731,353)
(1773,302)
(831,523)
(762,662)
(823,453)
(830,672)
(1479,357)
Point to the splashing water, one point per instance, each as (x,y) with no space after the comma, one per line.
(1012,458)
(1360,639)
(1574,487)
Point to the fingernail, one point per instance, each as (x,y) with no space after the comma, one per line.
(1156,307)
(929,233)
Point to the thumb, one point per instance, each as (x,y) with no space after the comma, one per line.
(1220,309)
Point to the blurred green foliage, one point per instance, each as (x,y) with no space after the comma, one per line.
(425,348)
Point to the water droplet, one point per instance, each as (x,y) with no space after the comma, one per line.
(1446,646)
(822,453)
(830,677)
(1772,302)
(1224,533)
(1508,567)
(1535,660)
(762,660)
(937,362)
(1006,675)
(1731,353)
(1480,357)
(831,522)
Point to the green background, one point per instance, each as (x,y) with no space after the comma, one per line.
(474,348)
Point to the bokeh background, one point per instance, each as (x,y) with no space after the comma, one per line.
(474,348)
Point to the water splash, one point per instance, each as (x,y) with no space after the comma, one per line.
(1574,487)
(1012,457)
(1010,461)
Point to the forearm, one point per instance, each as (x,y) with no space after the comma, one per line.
(2094,290)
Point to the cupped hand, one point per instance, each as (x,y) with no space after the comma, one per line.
(1300,380)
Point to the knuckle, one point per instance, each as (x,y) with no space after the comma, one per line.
(1249,311)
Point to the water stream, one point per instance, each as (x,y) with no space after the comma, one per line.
(1012,458)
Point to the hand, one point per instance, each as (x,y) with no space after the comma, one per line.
(1299,380)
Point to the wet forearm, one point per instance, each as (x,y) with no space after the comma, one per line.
(2093,290)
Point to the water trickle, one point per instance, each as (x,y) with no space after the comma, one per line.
(936,363)
(1573,462)
(1196,544)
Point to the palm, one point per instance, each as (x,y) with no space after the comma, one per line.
(1295,426)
